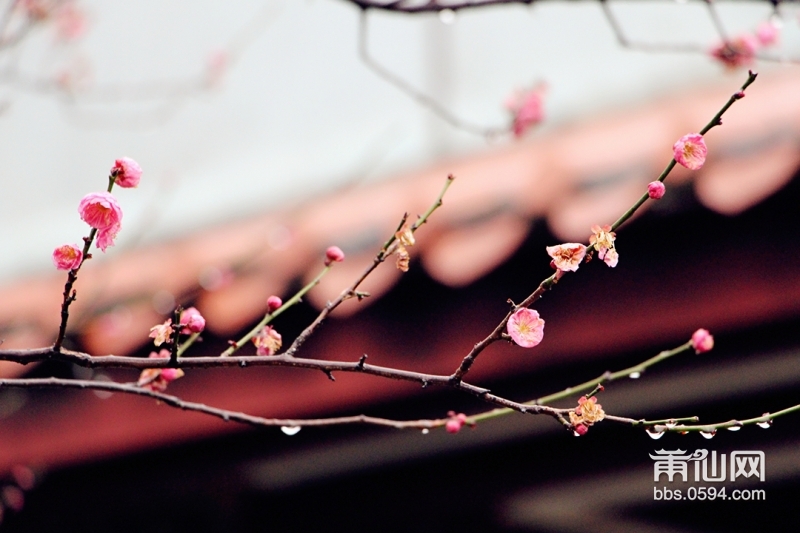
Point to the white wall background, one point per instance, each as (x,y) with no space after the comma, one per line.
(298,113)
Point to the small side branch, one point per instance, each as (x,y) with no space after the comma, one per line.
(421,98)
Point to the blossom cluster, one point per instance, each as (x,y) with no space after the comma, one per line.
(157,379)
(587,413)
(741,50)
(456,421)
(101,211)
(524,326)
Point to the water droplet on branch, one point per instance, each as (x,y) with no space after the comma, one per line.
(447,16)
(655,435)
(635,375)
(708,434)
(291,430)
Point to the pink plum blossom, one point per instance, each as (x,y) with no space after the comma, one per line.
(527,109)
(702,341)
(100,210)
(767,33)
(67,257)
(603,240)
(738,52)
(268,341)
(567,256)
(334,254)
(161,332)
(126,172)
(610,257)
(690,151)
(157,379)
(192,320)
(525,327)
(105,237)
(274,303)
(656,190)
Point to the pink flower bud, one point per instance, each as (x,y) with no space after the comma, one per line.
(581,429)
(767,33)
(527,108)
(273,303)
(690,151)
(192,320)
(702,341)
(171,374)
(100,210)
(334,254)
(453,426)
(67,257)
(656,190)
(268,341)
(126,172)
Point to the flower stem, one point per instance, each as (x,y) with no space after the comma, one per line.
(269,316)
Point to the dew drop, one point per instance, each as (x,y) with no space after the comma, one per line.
(635,375)
(671,424)
(290,430)
(734,428)
(765,425)
(447,16)
(425,431)
(655,435)
(226,417)
(708,434)
(242,364)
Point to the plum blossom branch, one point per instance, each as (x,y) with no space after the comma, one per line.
(281,360)
(731,52)
(497,334)
(593,384)
(69,294)
(715,121)
(165,95)
(763,421)
(351,291)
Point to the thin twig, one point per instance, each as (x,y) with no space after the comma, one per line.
(381,256)
(592,383)
(764,420)
(70,294)
(423,99)
(224,414)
